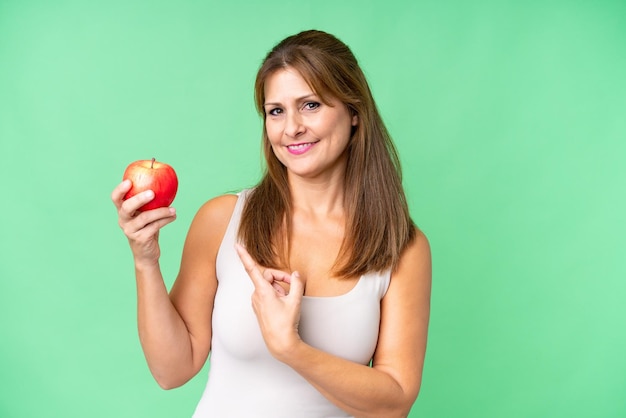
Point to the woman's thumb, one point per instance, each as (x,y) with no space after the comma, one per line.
(296,285)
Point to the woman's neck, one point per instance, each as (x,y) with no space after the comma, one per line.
(318,197)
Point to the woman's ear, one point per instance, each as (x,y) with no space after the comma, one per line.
(355,120)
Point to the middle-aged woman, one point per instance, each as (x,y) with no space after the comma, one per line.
(311,291)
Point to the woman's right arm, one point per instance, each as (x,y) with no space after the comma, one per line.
(174,328)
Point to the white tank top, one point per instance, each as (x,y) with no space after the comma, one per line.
(244,379)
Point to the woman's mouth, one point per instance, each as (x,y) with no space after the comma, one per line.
(298,149)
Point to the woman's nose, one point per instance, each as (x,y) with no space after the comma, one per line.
(294,125)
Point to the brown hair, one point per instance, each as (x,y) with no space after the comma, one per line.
(378,224)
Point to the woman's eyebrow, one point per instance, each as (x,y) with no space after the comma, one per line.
(299,99)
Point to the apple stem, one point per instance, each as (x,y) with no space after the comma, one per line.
(152,163)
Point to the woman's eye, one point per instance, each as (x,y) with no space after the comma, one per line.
(275,111)
(311,105)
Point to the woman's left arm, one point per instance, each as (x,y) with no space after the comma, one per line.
(388,388)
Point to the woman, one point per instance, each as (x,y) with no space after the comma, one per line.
(324,247)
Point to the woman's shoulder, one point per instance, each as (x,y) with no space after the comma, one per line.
(220,203)
(419,248)
(419,244)
(415,261)
(215,213)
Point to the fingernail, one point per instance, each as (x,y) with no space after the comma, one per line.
(172,211)
(149,194)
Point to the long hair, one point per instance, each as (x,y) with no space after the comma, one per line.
(378,225)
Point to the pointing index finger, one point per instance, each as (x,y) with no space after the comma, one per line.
(251,266)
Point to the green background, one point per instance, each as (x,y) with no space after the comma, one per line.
(510,118)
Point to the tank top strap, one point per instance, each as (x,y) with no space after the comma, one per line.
(226,255)
(376,282)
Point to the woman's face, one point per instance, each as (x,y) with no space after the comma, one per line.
(308,136)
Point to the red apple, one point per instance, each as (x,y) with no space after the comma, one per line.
(152,175)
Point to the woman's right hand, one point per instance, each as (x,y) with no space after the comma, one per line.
(141,228)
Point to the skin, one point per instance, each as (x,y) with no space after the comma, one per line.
(175,329)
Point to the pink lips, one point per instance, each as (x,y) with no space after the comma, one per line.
(298,149)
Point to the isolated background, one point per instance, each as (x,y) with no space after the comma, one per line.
(511,121)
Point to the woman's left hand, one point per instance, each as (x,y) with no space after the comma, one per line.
(277,310)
